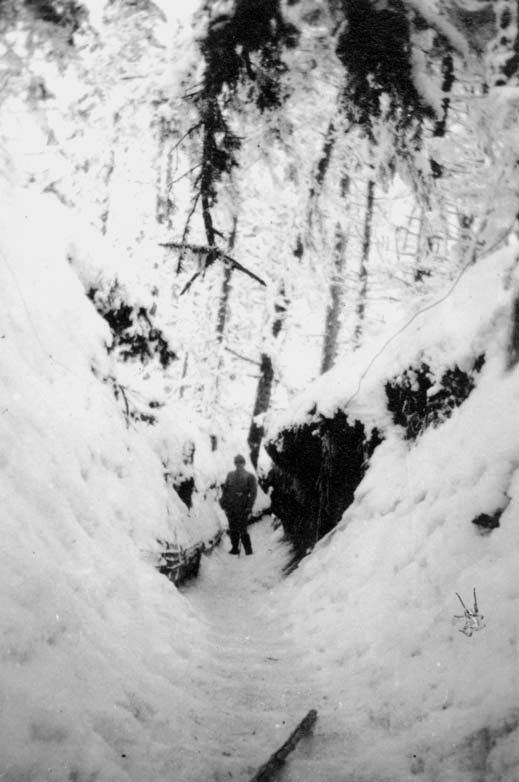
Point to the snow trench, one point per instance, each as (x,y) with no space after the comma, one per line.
(109,673)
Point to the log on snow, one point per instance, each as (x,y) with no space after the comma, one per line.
(274,763)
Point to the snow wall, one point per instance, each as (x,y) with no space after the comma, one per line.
(415,692)
(83,693)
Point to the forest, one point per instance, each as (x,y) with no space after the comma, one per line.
(286,229)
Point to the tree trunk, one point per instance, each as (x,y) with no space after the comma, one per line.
(422,246)
(440,126)
(324,161)
(513,345)
(334,311)
(164,173)
(168,202)
(323,165)
(105,213)
(261,405)
(223,305)
(184,375)
(223,311)
(265,383)
(159,200)
(364,259)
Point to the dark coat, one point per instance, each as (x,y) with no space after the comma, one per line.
(238,494)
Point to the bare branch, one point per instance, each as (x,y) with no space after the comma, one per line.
(186,226)
(236,265)
(189,283)
(186,134)
(186,173)
(199,249)
(214,252)
(243,358)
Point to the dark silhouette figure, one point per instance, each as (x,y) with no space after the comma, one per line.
(238,495)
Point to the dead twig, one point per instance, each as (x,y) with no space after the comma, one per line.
(186,134)
(474,621)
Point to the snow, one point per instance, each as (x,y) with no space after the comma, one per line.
(453,329)
(84,695)
(437,15)
(373,605)
(110,673)
(251,682)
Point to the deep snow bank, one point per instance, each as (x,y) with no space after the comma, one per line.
(374,602)
(414,378)
(95,643)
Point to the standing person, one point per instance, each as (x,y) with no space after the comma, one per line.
(238,495)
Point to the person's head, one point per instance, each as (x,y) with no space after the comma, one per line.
(239,461)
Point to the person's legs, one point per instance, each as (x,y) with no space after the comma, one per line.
(234,535)
(245,539)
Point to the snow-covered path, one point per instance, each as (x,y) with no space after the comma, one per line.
(254,687)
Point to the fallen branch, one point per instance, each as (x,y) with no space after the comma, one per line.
(274,763)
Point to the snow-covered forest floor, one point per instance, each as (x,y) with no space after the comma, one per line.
(255,685)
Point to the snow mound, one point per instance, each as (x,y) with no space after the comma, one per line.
(85,695)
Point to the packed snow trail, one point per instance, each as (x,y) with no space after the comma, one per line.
(254,688)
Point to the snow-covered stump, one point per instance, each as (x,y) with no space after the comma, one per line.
(317,468)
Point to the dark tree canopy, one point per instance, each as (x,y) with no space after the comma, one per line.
(375,50)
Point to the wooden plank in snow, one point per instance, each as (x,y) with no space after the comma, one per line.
(274,763)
